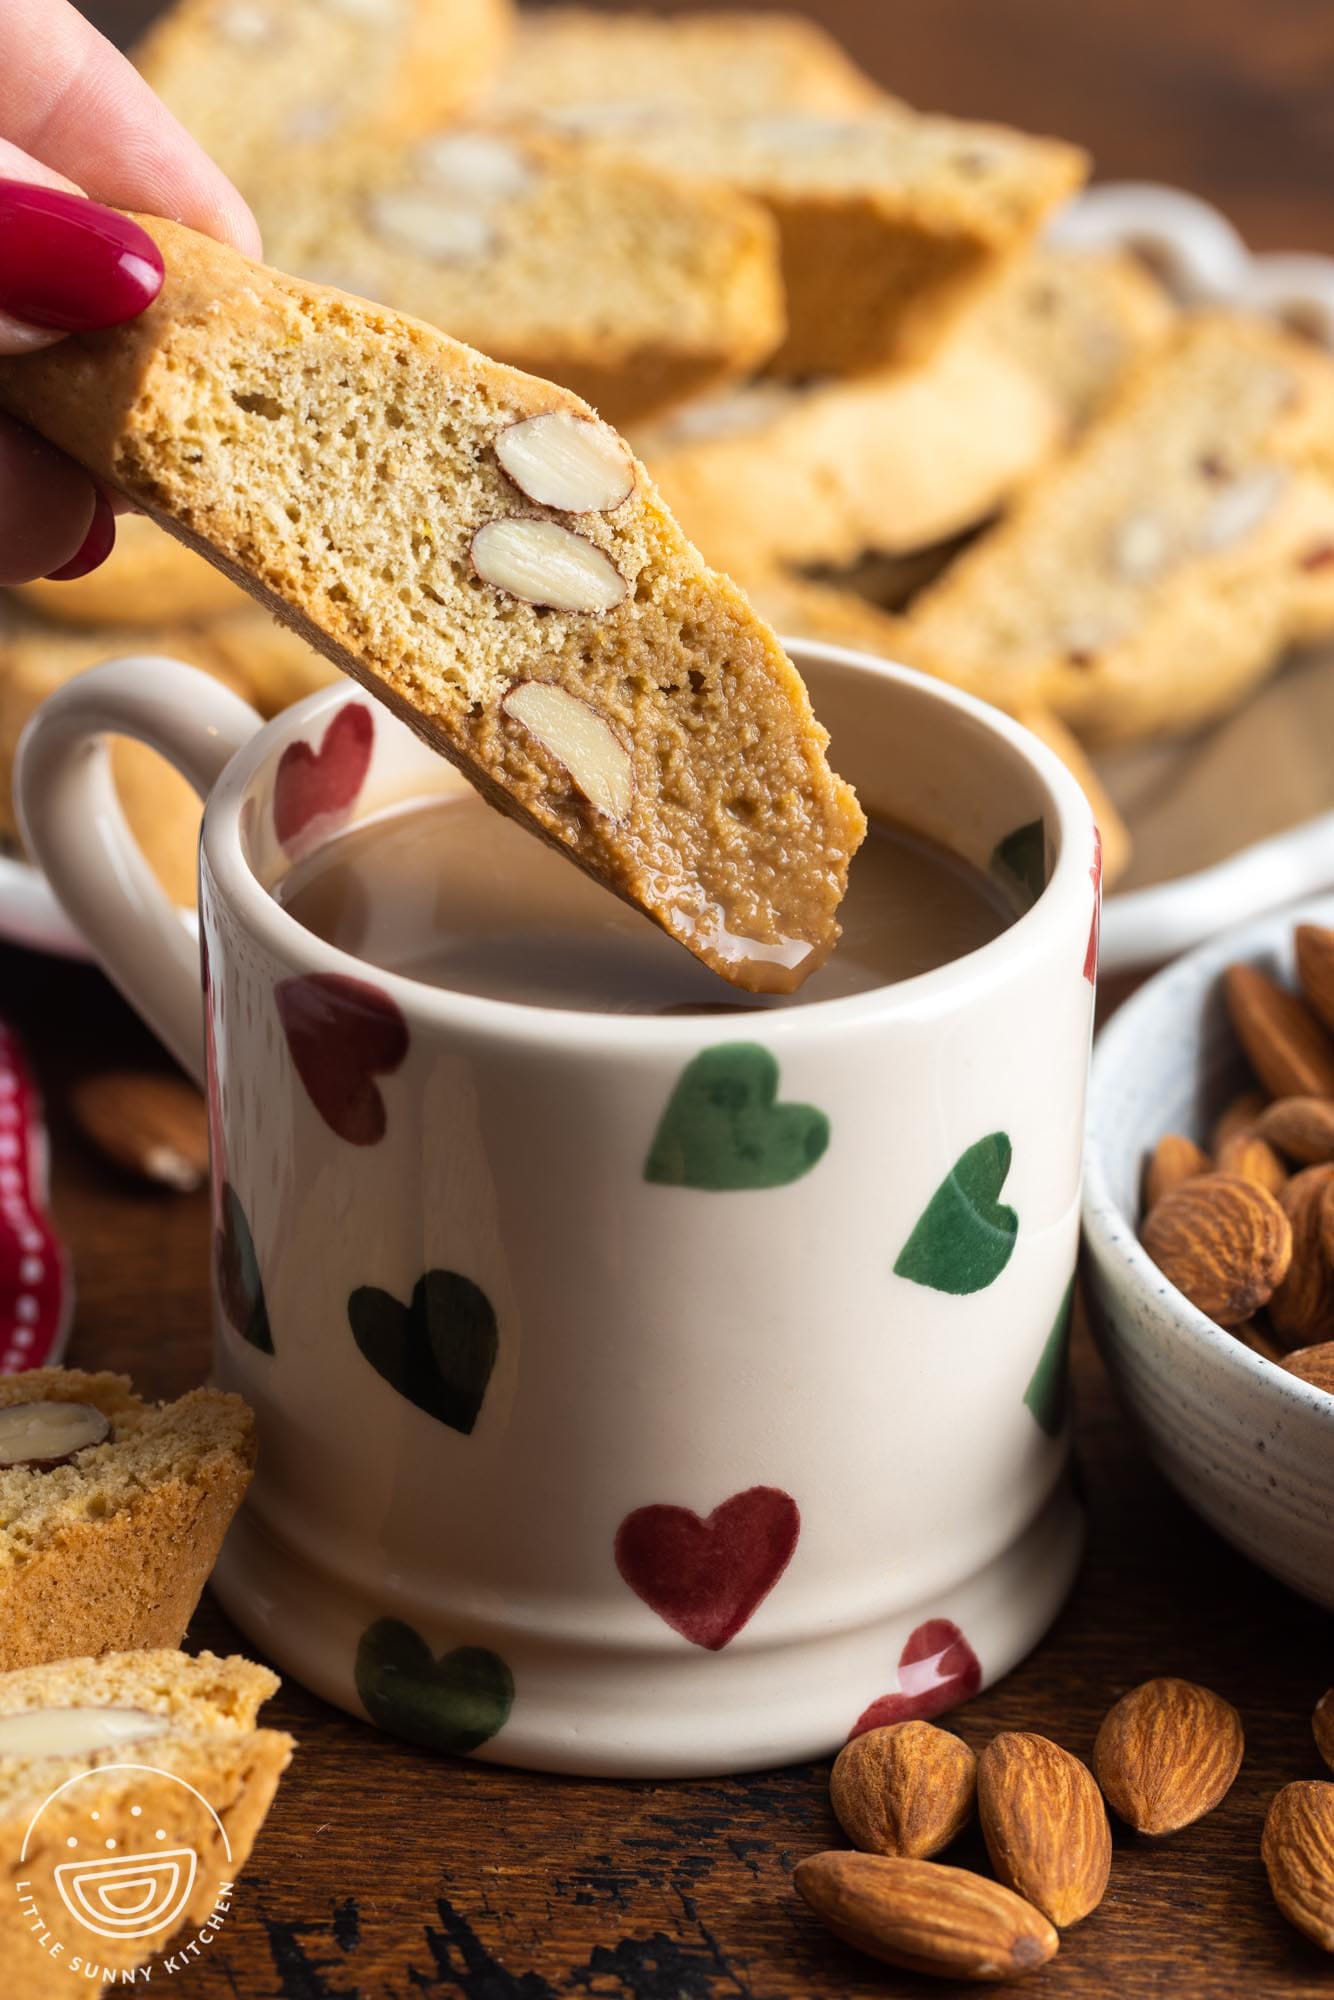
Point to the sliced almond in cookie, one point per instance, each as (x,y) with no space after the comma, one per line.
(39,1436)
(547,565)
(568,462)
(580,739)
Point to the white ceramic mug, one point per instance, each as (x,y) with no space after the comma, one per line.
(648,1396)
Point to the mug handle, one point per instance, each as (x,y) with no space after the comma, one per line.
(74,828)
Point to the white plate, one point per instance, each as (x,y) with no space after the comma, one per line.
(1199,255)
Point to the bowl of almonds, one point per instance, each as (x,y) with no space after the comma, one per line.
(1209,1231)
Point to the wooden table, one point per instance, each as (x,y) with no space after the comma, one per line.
(383,1872)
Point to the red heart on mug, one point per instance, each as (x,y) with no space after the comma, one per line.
(706,1575)
(1095,873)
(342,1033)
(937,1670)
(314,789)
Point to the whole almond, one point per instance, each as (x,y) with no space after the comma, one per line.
(1313,1364)
(1045,1825)
(1298,1851)
(1300,1127)
(1286,1045)
(149,1124)
(1238,1116)
(906,1789)
(925,1917)
(1173,1160)
(1315,969)
(1166,1754)
(1222,1241)
(1301,1310)
(1254,1159)
(1322,1727)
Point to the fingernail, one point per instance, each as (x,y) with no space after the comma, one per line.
(96,546)
(69,264)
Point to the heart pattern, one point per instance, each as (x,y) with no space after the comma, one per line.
(1095,927)
(938,1669)
(965,1236)
(723,1129)
(315,790)
(1020,861)
(438,1350)
(342,1034)
(706,1576)
(454,1703)
(237,1274)
(1048,1391)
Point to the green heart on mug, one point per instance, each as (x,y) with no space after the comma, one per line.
(1047,1392)
(723,1129)
(236,1268)
(455,1703)
(1020,860)
(438,1350)
(965,1235)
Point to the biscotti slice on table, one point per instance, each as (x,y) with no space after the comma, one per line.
(820,474)
(839,617)
(591,70)
(631,286)
(162,808)
(112,1510)
(1157,573)
(889,223)
(257,80)
(136,1783)
(487,558)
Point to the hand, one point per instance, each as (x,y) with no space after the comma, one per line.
(76,120)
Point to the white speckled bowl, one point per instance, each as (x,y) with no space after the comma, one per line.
(1249,1446)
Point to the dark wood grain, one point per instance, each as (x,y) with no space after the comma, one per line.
(384,1873)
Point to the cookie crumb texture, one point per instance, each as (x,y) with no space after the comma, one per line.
(341,461)
(112,1550)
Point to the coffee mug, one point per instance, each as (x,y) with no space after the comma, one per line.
(649,1396)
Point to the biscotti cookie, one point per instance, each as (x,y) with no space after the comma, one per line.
(590,69)
(895,461)
(112,1510)
(487,558)
(633,287)
(1153,576)
(801,610)
(135,1782)
(890,223)
(148,579)
(255,81)
(1075,321)
(161,807)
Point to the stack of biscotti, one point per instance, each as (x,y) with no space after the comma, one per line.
(112,1510)
(890,222)
(490,560)
(256,81)
(819,474)
(138,1757)
(1156,573)
(633,287)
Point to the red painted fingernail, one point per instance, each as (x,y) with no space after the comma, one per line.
(96,546)
(69,264)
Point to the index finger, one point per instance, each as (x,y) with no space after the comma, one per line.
(68,98)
